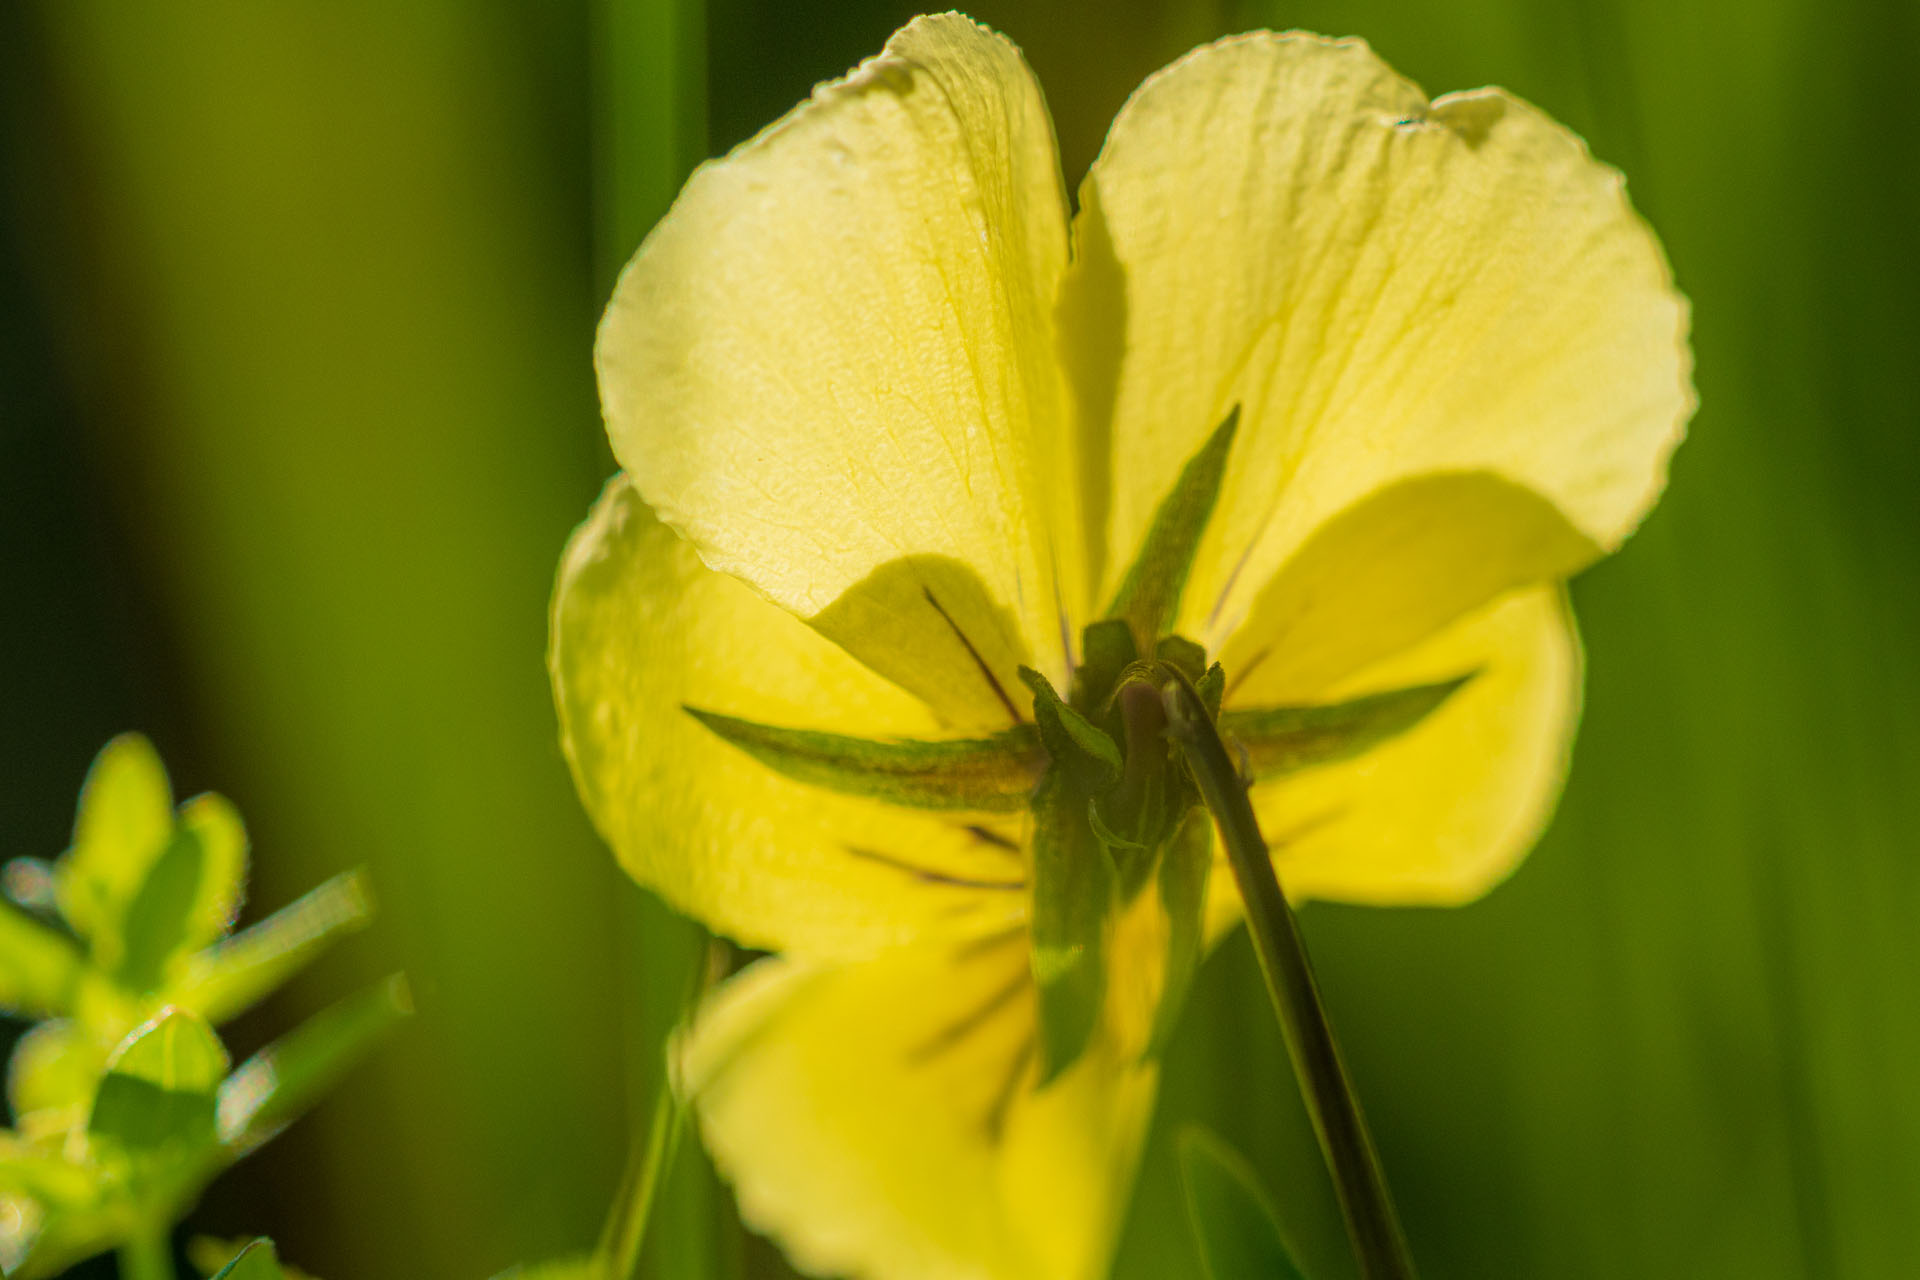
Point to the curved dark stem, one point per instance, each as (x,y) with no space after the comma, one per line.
(1372,1225)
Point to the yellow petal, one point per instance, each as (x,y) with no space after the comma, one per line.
(834,359)
(1386,573)
(1446,811)
(1387,287)
(879,1121)
(641,629)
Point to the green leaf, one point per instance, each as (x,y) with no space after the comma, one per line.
(276,1086)
(1149,596)
(1073,742)
(1073,897)
(160,1082)
(52,1077)
(256,1261)
(1184,865)
(225,980)
(40,968)
(158,920)
(994,775)
(223,875)
(1234,1222)
(124,823)
(1279,740)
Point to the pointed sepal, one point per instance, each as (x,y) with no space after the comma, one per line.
(988,775)
(1149,596)
(1278,740)
(1073,902)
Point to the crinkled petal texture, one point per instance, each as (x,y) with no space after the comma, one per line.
(831,367)
(640,631)
(880,1119)
(1388,287)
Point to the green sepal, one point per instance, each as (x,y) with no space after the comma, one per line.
(1185,862)
(275,1086)
(1149,596)
(1073,899)
(1235,1225)
(159,1087)
(1178,651)
(1072,741)
(1279,740)
(991,775)
(1106,650)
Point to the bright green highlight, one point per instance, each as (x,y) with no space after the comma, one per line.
(123,1099)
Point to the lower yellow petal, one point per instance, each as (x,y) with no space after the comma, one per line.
(879,1119)
(642,630)
(1446,811)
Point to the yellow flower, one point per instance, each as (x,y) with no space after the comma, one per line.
(895,426)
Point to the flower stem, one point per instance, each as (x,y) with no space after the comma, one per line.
(647,1166)
(1372,1225)
(147,1255)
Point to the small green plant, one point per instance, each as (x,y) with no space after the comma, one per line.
(125,1103)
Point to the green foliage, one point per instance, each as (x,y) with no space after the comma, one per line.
(123,1103)
(1235,1226)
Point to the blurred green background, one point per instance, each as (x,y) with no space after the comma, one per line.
(296,301)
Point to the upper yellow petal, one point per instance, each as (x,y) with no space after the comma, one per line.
(641,630)
(1386,286)
(831,366)
(880,1119)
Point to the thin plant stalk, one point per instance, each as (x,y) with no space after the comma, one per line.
(147,1255)
(652,1155)
(1373,1226)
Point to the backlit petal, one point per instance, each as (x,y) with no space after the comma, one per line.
(1444,812)
(1387,287)
(879,1119)
(831,367)
(641,629)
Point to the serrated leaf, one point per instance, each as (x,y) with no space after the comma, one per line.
(1184,866)
(226,979)
(1279,740)
(1235,1225)
(275,1086)
(1149,596)
(160,1083)
(124,822)
(40,968)
(991,775)
(1073,742)
(1073,897)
